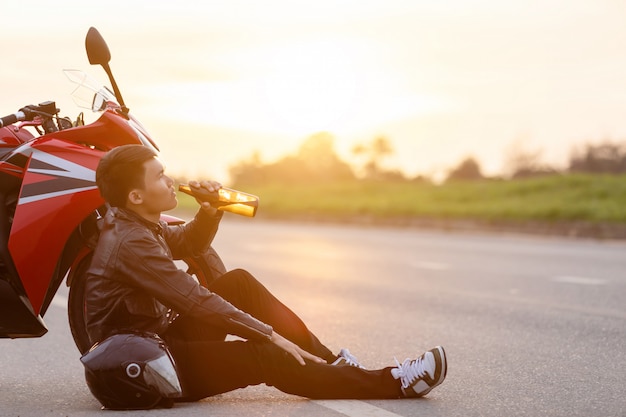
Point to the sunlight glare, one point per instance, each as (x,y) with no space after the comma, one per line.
(298,88)
(311,88)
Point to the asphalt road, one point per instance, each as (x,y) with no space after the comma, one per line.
(532,326)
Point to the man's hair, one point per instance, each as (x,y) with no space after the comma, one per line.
(120,171)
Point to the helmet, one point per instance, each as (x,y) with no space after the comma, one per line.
(131,371)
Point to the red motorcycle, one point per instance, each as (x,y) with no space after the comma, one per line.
(50,205)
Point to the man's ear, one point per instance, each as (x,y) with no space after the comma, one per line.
(135,197)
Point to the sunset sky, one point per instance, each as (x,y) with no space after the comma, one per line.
(214,81)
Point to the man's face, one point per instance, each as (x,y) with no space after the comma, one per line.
(158,194)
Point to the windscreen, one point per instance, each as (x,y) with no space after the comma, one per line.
(89,93)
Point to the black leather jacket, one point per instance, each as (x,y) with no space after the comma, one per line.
(133,282)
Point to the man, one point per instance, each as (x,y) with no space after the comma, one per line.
(134,285)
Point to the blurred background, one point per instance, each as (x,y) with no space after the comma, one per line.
(416,87)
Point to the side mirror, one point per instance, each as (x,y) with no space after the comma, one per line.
(97,49)
(98,54)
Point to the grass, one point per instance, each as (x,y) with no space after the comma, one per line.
(587,198)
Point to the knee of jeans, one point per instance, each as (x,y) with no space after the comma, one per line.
(232,279)
(242,275)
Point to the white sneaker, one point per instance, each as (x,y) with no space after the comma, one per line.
(421,375)
(345,358)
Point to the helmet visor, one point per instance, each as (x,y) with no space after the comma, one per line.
(160,374)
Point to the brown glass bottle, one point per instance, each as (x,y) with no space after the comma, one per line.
(225,199)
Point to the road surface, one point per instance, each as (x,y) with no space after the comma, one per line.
(532,326)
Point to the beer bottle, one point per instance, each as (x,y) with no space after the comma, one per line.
(225,199)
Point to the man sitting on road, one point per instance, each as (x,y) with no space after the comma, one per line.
(134,286)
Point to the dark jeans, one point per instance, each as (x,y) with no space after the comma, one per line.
(209,365)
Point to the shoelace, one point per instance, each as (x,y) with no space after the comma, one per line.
(350,358)
(347,358)
(410,370)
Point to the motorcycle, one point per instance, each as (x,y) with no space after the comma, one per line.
(50,205)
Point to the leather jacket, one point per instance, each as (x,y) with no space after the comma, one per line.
(133,283)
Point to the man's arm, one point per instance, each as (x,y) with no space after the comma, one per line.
(194,237)
(143,261)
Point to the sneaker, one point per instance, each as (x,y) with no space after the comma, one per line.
(345,358)
(421,375)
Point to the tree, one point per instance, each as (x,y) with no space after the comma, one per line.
(373,153)
(319,161)
(247,171)
(523,163)
(607,157)
(468,169)
(315,161)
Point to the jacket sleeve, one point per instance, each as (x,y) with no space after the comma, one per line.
(149,267)
(194,237)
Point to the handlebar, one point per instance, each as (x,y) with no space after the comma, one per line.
(12,118)
(47,110)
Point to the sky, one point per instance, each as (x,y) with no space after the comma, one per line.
(215,81)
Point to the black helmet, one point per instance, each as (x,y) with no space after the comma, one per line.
(131,371)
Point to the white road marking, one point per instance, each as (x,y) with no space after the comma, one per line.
(579,280)
(354,408)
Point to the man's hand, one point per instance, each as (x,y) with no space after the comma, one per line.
(294,350)
(210,186)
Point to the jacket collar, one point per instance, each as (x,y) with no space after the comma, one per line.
(126,214)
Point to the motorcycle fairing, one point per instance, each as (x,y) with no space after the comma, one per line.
(57,193)
(17,318)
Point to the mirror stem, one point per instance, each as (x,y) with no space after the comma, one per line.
(116,90)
